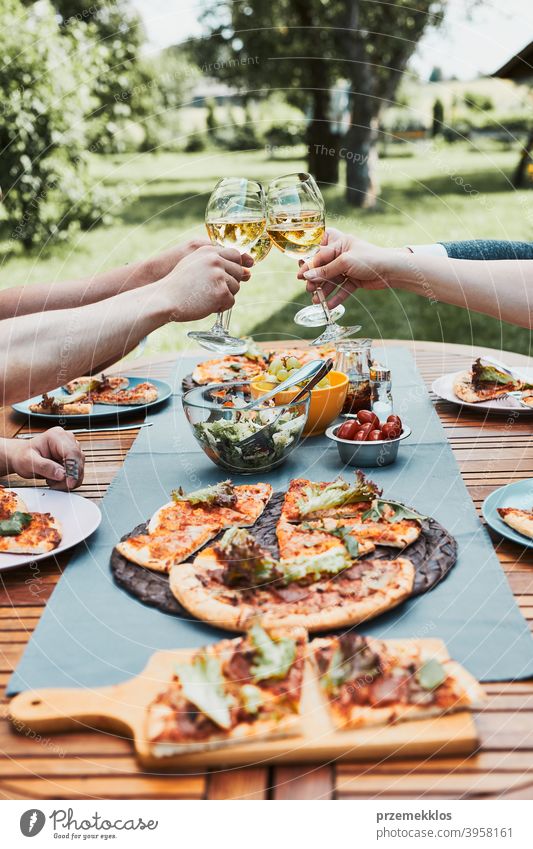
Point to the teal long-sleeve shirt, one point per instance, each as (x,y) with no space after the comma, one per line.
(489,249)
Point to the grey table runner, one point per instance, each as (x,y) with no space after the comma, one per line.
(93,633)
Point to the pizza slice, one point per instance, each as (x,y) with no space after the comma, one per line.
(236,580)
(223,504)
(386,523)
(178,529)
(370,682)
(484,382)
(58,405)
(29,533)
(519,520)
(142,393)
(236,691)
(160,551)
(315,538)
(228,369)
(306,500)
(10,503)
(93,384)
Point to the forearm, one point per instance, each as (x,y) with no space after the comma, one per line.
(5,467)
(42,351)
(499,288)
(69,294)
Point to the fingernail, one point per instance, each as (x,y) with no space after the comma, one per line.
(60,474)
(311,274)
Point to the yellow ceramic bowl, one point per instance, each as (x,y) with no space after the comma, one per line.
(326,404)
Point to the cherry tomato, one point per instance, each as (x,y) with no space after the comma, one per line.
(394,419)
(348,429)
(391,430)
(374,435)
(366,416)
(364,430)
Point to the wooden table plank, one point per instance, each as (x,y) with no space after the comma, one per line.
(244,784)
(491,452)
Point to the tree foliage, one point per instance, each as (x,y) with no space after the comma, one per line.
(304,46)
(45,97)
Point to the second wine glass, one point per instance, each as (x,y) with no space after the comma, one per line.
(234,218)
(296,223)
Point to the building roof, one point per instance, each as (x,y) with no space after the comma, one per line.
(518,67)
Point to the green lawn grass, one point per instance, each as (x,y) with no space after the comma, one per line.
(443,193)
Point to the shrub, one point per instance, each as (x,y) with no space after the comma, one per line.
(45,96)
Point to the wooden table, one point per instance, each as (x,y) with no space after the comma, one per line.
(96,765)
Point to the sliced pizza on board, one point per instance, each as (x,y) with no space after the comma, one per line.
(235,691)
(369,682)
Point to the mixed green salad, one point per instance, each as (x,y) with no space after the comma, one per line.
(224,437)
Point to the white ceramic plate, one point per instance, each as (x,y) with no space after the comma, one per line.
(443,387)
(79,518)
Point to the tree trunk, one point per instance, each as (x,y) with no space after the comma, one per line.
(323,145)
(361,154)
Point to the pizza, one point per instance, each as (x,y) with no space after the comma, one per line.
(519,520)
(228,369)
(314,539)
(246,367)
(306,500)
(484,382)
(91,384)
(10,503)
(51,405)
(178,529)
(236,691)
(236,580)
(369,682)
(142,393)
(29,533)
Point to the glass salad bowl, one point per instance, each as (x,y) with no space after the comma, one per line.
(243,441)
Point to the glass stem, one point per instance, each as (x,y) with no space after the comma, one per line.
(324,304)
(226,318)
(218,326)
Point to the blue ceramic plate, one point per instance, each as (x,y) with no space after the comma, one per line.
(100,411)
(518,494)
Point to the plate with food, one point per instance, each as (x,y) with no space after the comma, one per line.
(36,523)
(509,511)
(320,555)
(488,385)
(273,695)
(96,397)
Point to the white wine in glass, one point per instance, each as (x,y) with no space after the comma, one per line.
(296,223)
(234,218)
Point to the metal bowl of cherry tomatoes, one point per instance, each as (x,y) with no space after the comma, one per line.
(365,441)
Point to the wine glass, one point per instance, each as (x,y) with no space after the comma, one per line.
(296,223)
(234,218)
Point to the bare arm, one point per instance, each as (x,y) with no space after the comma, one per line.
(42,351)
(499,288)
(68,294)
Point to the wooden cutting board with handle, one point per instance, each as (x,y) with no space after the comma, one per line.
(121,709)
